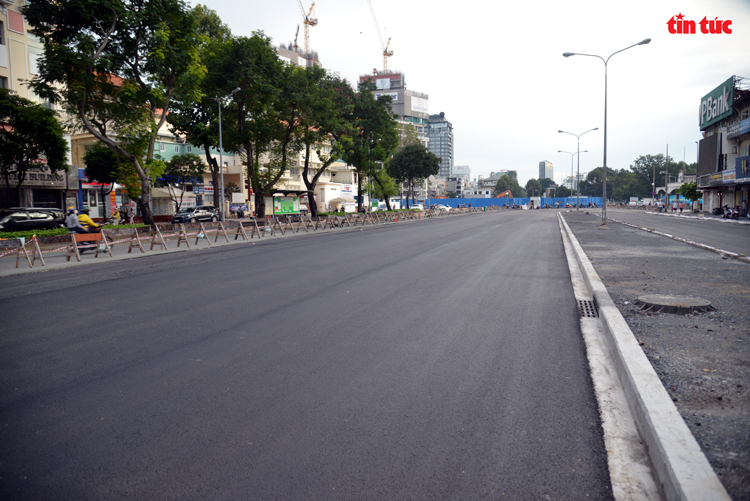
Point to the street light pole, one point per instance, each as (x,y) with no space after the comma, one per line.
(604,175)
(221,157)
(578,139)
(572,181)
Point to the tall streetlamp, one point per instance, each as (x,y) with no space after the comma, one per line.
(574,181)
(578,138)
(604,176)
(221,151)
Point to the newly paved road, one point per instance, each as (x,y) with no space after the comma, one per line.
(430,360)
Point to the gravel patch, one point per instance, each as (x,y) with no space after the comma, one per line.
(703,359)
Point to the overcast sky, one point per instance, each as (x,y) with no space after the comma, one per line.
(496,69)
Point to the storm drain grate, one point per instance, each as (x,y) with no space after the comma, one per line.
(587,309)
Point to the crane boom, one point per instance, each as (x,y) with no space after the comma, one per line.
(386,53)
(310,20)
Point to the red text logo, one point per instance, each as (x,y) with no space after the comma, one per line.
(678,25)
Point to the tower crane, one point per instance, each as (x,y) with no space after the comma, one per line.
(310,20)
(386,53)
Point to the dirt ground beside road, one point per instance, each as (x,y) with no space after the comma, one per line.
(703,359)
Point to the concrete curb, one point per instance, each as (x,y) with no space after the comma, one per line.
(680,467)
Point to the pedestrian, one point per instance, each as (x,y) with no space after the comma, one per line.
(682,206)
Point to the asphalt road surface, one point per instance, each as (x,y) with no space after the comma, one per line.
(733,236)
(431,360)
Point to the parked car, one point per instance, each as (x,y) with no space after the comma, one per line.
(31,218)
(417,207)
(443,207)
(196,214)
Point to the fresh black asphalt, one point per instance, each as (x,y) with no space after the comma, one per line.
(430,360)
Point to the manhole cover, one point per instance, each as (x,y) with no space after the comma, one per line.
(681,305)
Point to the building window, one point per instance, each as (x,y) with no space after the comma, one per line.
(203,148)
(294,171)
(2,33)
(188,149)
(162,147)
(745,114)
(176,148)
(3,82)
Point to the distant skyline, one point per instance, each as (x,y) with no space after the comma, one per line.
(498,73)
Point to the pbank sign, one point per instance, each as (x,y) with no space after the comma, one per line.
(717,104)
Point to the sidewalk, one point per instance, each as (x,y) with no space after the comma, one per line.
(54,257)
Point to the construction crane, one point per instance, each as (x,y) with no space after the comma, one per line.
(296,47)
(386,53)
(310,20)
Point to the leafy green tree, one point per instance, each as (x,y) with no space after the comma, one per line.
(197,117)
(412,163)
(375,135)
(546,183)
(562,191)
(181,170)
(690,191)
(31,138)
(384,186)
(114,66)
(325,120)
(509,182)
(534,188)
(503,184)
(103,165)
(250,70)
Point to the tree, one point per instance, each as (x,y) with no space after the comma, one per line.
(103,165)
(384,186)
(375,135)
(197,118)
(114,65)
(31,138)
(326,123)
(503,184)
(509,182)
(690,191)
(412,163)
(562,191)
(534,187)
(250,70)
(180,171)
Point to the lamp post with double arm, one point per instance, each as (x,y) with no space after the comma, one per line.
(578,139)
(574,180)
(604,175)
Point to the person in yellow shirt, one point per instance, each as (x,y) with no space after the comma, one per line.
(87,222)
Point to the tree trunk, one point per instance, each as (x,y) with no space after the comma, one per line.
(359,191)
(260,205)
(145,208)
(312,205)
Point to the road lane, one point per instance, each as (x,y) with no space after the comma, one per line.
(727,235)
(441,359)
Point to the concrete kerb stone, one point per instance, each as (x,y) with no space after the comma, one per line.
(681,468)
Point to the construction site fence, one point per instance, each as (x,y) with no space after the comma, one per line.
(520,201)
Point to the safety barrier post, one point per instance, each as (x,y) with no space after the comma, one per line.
(221,229)
(240,232)
(156,239)
(34,251)
(202,234)
(182,237)
(135,242)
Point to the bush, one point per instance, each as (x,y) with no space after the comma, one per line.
(57,231)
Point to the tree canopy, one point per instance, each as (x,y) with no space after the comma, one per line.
(31,139)
(114,65)
(413,163)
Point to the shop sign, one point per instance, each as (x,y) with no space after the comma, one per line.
(717,104)
(717,179)
(728,176)
(742,169)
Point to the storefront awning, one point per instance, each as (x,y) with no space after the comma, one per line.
(164,193)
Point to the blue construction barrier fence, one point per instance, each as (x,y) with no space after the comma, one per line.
(500,202)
